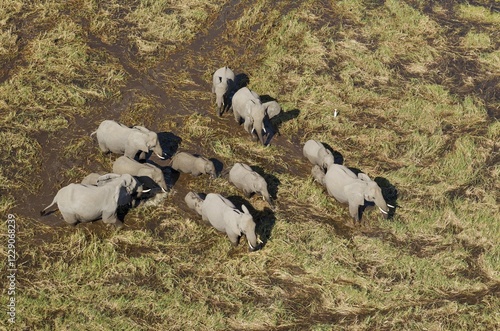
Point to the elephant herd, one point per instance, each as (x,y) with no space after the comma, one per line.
(99,196)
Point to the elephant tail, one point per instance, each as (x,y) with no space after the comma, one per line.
(44,212)
(93,133)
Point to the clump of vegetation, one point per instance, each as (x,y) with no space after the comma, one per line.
(412,81)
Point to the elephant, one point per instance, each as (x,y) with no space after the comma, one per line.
(223,216)
(357,191)
(193,164)
(222,85)
(246,105)
(86,203)
(318,154)
(127,165)
(247,180)
(194,201)
(118,138)
(273,108)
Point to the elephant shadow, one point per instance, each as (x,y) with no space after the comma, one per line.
(390,194)
(264,219)
(169,142)
(272,181)
(273,125)
(241,80)
(338,158)
(219,166)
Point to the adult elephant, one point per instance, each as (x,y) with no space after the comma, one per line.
(118,138)
(224,216)
(357,191)
(248,107)
(87,203)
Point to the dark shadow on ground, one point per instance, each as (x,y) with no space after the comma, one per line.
(273,125)
(169,142)
(390,194)
(241,80)
(219,166)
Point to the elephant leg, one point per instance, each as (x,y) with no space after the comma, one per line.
(103,147)
(70,218)
(354,210)
(234,238)
(110,217)
(237,117)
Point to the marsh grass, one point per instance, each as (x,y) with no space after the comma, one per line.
(404,116)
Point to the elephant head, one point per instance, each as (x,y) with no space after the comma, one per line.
(326,158)
(318,174)
(254,122)
(148,141)
(259,185)
(155,173)
(245,224)
(210,168)
(373,193)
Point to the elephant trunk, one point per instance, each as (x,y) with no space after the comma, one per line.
(258,130)
(382,205)
(252,241)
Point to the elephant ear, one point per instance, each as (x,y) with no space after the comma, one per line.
(139,141)
(364,177)
(245,209)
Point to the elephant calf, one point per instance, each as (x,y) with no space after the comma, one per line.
(222,84)
(247,180)
(118,138)
(247,106)
(144,171)
(87,203)
(318,154)
(223,215)
(194,201)
(357,191)
(193,164)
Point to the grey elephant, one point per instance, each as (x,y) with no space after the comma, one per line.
(144,171)
(249,181)
(273,108)
(318,154)
(193,164)
(222,85)
(357,191)
(87,203)
(118,138)
(194,201)
(247,106)
(223,215)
